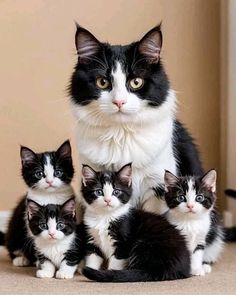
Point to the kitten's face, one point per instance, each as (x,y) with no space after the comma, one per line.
(51,222)
(190,195)
(118,83)
(106,191)
(49,171)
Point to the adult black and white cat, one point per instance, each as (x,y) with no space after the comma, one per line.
(137,245)
(59,242)
(48,177)
(125,112)
(191,203)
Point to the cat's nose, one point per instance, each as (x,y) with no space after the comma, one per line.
(107,200)
(190,206)
(51,235)
(119,102)
(49,182)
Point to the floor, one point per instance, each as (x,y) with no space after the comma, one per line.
(22,281)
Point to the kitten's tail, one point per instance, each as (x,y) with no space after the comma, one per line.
(2,239)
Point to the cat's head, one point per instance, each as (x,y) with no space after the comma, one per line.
(106,190)
(51,222)
(49,171)
(190,195)
(113,84)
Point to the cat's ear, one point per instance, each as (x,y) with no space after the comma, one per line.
(150,45)
(209,180)
(68,208)
(32,208)
(125,174)
(86,44)
(170,180)
(88,174)
(27,155)
(64,151)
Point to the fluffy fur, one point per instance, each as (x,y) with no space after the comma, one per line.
(125,112)
(191,203)
(137,245)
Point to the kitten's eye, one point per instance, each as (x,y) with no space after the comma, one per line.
(180,198)
(43,226)
(99,192)
(60,225)
(39,174)
(58,173)
(116,192)
(200,198)
(136,83)
(102,83)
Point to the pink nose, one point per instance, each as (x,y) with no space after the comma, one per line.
(49,182)
(107,200)
(119,102)
(190,206)
(51,235)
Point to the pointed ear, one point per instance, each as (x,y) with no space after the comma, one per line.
(88,174)
(64,151)
(170,180)
(68,207)
(209,180)
(150,45)
(27,155)
(32,208)
(125,174)
(86,44)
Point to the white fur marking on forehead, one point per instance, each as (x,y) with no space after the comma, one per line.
(119,89)
(48,169)
(191,192)
(52,224)
(108,189)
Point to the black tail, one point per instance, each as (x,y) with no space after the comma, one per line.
(2,238)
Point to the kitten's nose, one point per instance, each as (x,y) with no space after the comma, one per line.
(107,200)
(49,181)
(51,235)
(119,102)
(190,206)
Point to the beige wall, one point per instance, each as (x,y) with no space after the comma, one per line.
(37,57)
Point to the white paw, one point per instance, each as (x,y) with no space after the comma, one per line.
(64,275)
(198,271)
(207,268)
(20,261)
(44,274)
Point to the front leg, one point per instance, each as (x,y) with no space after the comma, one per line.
(66,271)
(116,264)
(47,269)
(197,268)
(94,261)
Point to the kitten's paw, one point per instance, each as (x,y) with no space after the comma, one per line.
(44,274)
(198,271)
(20,261)
(207,268)
(64,275)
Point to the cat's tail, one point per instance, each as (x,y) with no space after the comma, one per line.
(2,239)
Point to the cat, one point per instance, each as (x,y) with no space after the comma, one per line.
(48,177)
(191,203)
(125,112)
(137,245)
(59,242)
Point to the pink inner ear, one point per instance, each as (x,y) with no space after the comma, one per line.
(86,45)
(151,47)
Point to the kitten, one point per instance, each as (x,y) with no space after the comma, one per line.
(125,112)
(48,176)
(137,245)
(191,203)
(59,242)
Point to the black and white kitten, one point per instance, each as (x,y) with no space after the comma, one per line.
(137,245)
(59,242)
(48,177)
(191,203)
(125,111)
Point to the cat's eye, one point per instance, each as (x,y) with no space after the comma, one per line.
(180,198)
(200,198)
(102,83)
(136,83)
(60,225)
(43,226)
(99,192)
(116,192)
(39,174)
(58,173)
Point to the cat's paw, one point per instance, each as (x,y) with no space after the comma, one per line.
(207,268)
(198,271)
(64,275)
(44,274)
(20,261)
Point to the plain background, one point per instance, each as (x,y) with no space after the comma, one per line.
(38,55)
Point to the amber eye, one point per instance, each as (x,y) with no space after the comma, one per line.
(102,83)
(136,83)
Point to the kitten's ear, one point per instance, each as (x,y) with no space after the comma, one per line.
(125,174)
(86,44)
(209,180)
(64,151)
(150,45)
(170,180)
(68,207)
(27,155)
(88,174)
(32,208)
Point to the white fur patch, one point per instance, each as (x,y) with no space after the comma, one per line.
(66,271)
(47,270)
(94,261)
(20,261)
